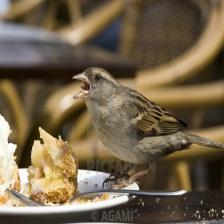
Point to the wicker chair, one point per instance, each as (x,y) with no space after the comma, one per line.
(19,9)
(42,12)
(168,47)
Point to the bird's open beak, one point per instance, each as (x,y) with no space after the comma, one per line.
(81,77)
(85,88)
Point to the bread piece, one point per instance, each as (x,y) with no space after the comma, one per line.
(53,174)
(9,172)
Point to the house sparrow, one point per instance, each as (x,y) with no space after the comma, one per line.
(133,128)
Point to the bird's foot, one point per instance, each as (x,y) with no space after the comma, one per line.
(117,181)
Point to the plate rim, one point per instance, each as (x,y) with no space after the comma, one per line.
(66,209)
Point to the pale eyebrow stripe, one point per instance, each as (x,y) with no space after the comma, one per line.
(105,74)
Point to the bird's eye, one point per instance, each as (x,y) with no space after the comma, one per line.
(97,78)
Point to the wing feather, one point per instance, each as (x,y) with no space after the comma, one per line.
(151,119)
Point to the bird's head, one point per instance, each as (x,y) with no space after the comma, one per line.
(98,84)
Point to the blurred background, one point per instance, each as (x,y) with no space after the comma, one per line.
(169,50)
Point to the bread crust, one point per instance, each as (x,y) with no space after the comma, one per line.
(53,174)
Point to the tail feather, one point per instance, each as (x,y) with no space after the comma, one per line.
(195,139)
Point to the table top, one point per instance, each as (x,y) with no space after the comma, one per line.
(27,52)
(192,207)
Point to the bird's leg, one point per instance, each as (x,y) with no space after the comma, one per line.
(116,179)
(124,180)
(136,176)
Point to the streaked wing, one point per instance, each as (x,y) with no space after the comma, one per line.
(150,119)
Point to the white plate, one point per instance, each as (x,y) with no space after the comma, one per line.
(87,181)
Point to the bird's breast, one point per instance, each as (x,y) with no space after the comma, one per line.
(111,126)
